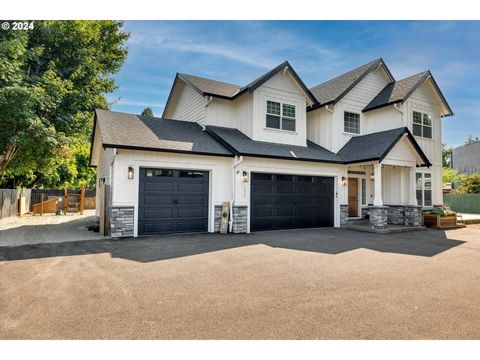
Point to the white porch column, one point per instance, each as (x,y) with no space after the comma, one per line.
(412,199)
(377,173)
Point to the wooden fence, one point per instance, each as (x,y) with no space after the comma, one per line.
(14,202)
(55,193)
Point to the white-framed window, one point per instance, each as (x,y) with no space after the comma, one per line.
(364,191)
(280,116)
(351,122)
(424,189)
(422,125)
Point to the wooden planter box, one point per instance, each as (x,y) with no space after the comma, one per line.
(440,222)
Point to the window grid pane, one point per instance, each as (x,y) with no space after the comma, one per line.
(351,123)
(417,117)
(288,124)
(289,111)
(273,121)
(273,108)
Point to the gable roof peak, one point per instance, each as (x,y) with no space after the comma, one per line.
(333,90)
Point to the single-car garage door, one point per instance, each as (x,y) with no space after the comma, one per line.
(172,201)
(291,201)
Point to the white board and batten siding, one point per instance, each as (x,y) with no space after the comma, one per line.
(186,104)
(281,88)
(232,114)
(354,101)
(320,127)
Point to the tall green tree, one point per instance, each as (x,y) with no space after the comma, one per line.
(52,78)
(446,156)
(147,111)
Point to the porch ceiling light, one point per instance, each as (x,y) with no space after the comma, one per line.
(130,172)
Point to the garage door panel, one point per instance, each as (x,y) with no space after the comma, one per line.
(157,227)
(192,213)
(263,188)
(172,201)
(191,226)
(262,211)
(157,200)
(158,186)
(280,211)
(157,213)
(262,200)
(290,201)
(191,187)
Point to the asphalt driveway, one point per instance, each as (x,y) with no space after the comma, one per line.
(308,284)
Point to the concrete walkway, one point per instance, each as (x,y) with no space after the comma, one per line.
(49,228)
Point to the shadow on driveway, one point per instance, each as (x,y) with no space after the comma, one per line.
(327,241)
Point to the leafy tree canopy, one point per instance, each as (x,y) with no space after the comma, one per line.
(52,78)
(448,175)
(147,111)
(469,184)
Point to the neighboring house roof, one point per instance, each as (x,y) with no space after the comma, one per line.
(240,144)
(376,146)
(128,131)
(208,87)
(400,91)
(335,89)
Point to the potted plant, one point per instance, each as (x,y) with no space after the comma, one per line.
(440,218)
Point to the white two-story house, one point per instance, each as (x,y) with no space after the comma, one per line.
(277,154)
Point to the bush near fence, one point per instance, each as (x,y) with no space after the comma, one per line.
(463,203)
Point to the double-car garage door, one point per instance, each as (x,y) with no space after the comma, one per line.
(290,201)
(175,201)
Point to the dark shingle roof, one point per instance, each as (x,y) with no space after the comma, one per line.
(401,90)
(134,131)
(397,91)
(231,91)
(212,87)
(376,146)
(333,90)
(241,144)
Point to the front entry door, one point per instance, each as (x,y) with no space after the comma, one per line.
(352,197)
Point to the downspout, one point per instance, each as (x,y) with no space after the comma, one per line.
(237,162)
(331,110)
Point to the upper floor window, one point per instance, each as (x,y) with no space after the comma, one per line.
(351,122)
(280,116)
(422,125)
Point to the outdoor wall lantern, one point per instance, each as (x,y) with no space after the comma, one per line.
(372,177)
(344,181)
(245,176)
(130,172)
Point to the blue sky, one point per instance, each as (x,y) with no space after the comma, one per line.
(240,51)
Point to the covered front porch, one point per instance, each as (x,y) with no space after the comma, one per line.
(380,194)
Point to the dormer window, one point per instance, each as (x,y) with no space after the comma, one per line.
(351,122)
(280,116)
(422,125)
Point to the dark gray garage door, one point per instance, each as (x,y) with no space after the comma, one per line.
(172,201)
(291,201)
